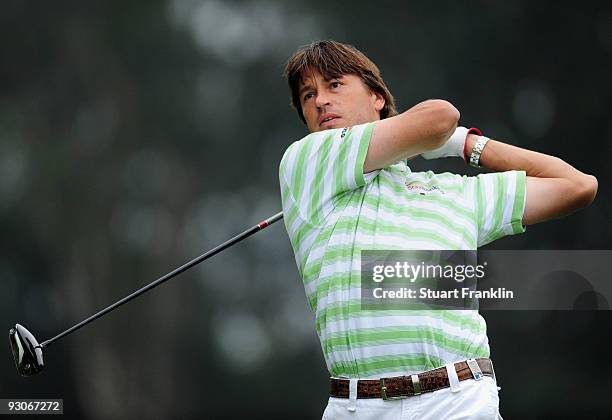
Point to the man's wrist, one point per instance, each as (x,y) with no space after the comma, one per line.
(470,141)
(477,151)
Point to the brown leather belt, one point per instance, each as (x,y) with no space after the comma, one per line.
(406,386)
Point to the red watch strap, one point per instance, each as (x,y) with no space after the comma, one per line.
(472,130)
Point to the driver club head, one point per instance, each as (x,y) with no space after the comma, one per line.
(26,351)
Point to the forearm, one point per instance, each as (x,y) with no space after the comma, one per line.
(501,157)
(554,188)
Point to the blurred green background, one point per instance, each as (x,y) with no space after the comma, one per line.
(136,135)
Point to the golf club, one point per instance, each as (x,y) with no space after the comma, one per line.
(28,353)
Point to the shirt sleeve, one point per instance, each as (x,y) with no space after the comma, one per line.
(500,204)
(318,169)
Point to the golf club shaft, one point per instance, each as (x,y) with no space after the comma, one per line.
(260,226)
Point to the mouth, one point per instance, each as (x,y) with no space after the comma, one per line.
(328,121)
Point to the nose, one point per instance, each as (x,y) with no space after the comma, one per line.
(322,99)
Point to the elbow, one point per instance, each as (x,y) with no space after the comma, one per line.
(445,115)
(445,118)
(585,190)
(589,189)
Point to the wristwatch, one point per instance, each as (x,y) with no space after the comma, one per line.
(477,151)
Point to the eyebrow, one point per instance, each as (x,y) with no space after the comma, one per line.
(308,86)
(304,88)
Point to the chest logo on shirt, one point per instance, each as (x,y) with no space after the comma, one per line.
(422,189)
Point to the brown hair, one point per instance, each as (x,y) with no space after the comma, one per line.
(334,59)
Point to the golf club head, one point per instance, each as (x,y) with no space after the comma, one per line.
(26,351)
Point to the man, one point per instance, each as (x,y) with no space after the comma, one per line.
(346,188)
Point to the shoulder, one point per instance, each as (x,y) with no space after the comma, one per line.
(312,143)
(306,142)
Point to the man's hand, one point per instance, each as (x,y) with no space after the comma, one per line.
(454,146)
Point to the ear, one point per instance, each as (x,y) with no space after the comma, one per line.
(379,101)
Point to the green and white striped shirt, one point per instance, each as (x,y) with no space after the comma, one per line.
(333,211)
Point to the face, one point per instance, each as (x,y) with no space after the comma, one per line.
(337,103)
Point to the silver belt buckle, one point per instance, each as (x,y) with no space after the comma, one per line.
(475,369)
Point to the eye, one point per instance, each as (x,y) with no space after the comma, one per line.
(334,84)
(307,96)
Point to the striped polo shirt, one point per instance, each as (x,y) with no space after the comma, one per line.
(333,211)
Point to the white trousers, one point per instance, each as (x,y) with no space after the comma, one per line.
(473,400)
